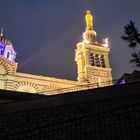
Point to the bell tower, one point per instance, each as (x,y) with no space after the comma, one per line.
(92,57)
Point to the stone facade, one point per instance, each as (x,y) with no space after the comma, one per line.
(90,75)
(93,72)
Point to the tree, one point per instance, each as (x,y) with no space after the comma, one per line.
(132,37)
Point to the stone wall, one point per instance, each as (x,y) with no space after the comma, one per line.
(34,84)
(110,117)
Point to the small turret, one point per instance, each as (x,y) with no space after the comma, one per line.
(6,48)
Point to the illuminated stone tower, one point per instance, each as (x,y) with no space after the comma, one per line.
(92,57)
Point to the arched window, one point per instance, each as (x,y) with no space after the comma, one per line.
(91,58)
(97,62)
(1,50)
(102,61)
(8,55)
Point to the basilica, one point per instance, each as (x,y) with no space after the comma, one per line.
(92,60)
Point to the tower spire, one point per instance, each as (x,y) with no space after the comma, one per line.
(1,34)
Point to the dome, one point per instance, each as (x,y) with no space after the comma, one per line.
(6,48)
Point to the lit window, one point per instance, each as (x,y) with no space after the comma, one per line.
(1,50)
(122,81)
(8,55)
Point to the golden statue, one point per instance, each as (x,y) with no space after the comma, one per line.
(89,21)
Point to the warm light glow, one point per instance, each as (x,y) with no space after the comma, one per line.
(106,42)
(85,41)
(99,81)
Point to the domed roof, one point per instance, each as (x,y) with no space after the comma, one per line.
(6,48)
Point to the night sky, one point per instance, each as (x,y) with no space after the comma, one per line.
(44,33)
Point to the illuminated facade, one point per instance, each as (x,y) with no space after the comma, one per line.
(92,57)
(92,62)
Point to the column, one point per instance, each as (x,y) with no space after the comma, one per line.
(106,61)
(86,56)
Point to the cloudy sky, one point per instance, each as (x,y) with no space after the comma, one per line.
(44,33)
